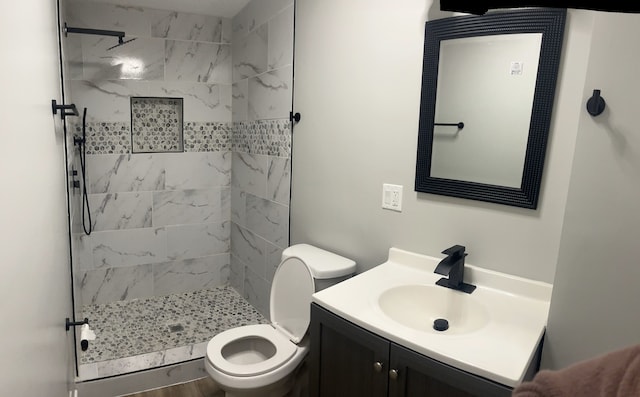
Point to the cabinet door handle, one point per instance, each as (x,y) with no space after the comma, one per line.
(393,374)
(377,366)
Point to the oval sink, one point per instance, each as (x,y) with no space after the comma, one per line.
(418,306)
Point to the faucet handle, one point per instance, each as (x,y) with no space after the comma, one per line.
(455,251)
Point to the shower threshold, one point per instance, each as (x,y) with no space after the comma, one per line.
(147,333)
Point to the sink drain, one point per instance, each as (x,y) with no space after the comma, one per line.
(441,324)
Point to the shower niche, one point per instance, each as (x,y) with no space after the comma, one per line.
(156,125)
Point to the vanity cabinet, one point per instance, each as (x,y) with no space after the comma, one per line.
(349,361)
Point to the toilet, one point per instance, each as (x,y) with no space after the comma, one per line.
(259,360)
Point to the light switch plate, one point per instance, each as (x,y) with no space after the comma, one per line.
(392,197)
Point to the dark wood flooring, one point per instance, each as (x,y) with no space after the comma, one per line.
(204,387)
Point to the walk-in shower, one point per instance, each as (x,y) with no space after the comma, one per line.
(185,150)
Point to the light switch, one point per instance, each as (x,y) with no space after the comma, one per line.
(392,197)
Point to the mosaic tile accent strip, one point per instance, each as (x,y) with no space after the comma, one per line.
(268,137)
(207,137)
(135,327)
(106,138)
(156,124)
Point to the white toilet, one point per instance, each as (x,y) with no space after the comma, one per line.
(258,360)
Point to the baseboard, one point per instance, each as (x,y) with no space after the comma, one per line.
(141,381)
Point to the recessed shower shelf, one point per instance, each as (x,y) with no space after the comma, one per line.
(156,125)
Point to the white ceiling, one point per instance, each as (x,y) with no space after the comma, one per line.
(221,8)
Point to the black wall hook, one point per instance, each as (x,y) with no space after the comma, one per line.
(596,104)
(294,117)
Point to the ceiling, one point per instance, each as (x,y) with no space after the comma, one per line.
(221,8)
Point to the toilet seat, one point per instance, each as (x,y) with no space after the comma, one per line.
(285,349)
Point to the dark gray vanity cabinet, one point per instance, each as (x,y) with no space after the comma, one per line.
(349,361)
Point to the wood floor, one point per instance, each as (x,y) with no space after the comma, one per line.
(204,387)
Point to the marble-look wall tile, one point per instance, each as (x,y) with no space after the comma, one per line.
(227,33)
(197,61)
(238,206)
(105,100)
(257,13)
(281,39)
(129,247)
(183,26)
(249,173)
(236,274)
(190,275)
(279,180)
(113,211)
(125,173)
(134,21)
(250,56)
(270,95)
(249,249)
(202,102)
(186,206)
(240,100)
(194,241)
(197,170)
(82,249)
(257,291)
(268,219)
(225,202)
(273,259)
(140,59)
(72,47)
(115,284)
(110,100)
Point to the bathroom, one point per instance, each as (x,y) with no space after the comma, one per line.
(585,216)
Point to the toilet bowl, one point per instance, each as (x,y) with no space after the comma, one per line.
(259,360)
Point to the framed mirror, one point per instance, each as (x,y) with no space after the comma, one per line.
(488,85)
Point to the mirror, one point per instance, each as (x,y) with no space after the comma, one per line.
(488,87)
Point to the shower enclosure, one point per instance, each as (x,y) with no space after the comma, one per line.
(187,172)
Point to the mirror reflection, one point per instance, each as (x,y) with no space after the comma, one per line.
(487,83)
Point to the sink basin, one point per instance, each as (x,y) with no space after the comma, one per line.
(493,332)
(418,306)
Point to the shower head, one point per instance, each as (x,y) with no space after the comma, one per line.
(121,42)
(99,32)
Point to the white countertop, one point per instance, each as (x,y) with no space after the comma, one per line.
(501,350)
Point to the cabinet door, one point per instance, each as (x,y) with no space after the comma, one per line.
(346,360)
(420,376)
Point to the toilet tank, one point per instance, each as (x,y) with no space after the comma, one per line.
(326,267)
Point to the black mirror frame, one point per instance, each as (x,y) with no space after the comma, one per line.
(549,22)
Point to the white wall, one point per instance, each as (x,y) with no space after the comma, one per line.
(357,85)
(35,283)
(596,293)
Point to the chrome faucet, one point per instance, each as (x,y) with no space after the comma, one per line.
(453,267)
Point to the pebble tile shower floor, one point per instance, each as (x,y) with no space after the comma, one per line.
(130,328)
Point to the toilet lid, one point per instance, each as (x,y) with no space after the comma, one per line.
(290,301)
(245,338)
